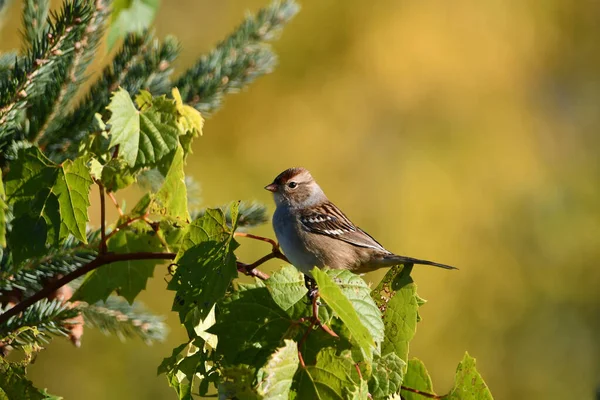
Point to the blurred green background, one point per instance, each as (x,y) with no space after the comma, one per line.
(464,132)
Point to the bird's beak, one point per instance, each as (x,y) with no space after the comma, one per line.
(271,188)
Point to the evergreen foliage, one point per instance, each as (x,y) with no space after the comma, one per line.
(260,340)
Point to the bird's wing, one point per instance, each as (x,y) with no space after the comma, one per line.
(328,220)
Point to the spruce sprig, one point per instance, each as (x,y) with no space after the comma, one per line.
(36,74)
(237,60)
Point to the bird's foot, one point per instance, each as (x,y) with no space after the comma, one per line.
(313,290)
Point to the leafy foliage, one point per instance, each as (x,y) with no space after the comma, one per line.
(468,384)
(397,297)
(260,340)
(47,216)
(274,380)
(15,385)
(127,278)
(341,305)
(417,378)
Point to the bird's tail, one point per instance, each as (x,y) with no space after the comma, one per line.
(405,260)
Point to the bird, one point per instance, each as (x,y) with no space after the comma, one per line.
(314,232)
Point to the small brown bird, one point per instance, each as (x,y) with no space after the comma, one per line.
(312,231)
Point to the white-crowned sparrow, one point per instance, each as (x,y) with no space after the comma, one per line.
(312,231)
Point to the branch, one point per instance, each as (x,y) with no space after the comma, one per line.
(424,394)
(250,269)
(116,203)
(99,261)
(102,218)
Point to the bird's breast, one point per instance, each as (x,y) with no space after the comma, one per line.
(292,241)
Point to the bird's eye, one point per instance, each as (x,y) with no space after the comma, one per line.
(292,185)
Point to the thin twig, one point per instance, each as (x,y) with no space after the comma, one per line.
(357,367)
(99,261)
(302,340)
(116,203)
(424,394)
(123,225)
(262,239)
(250,269)
(102,218)
(243,268)
(315,310)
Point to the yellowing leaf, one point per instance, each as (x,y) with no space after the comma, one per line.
(171,199)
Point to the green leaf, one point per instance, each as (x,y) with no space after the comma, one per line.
(250,326)
(96,169)
(50,202)
(468,384)
(73,189)
(144,137)
(360,392)
(275,378)
(359,294)
(286,287)
(332,294)
(206,265)
(36,212)
(117,175)
(130,16)
(387,376)
(125,126)
(182,367)
(141,207)
(417,378)
(397,298)
(14,383)
(128,278)
(236,383)
(173,231)
(328,379)
(171,199)
(3,208)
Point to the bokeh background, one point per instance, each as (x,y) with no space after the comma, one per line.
(464,132)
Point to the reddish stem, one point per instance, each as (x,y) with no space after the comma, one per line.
(116,203)
(102,219)
(424,394)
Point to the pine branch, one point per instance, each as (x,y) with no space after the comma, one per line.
(71,256)
(35,24)
(69,71)
(7,63)
(49,317)
(33,75)
(117,317)
(99,261)
(85,50)
(142,63)
(237,60)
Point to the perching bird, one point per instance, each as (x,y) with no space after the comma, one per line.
(312,231)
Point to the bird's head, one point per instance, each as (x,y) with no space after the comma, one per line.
(295,187)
